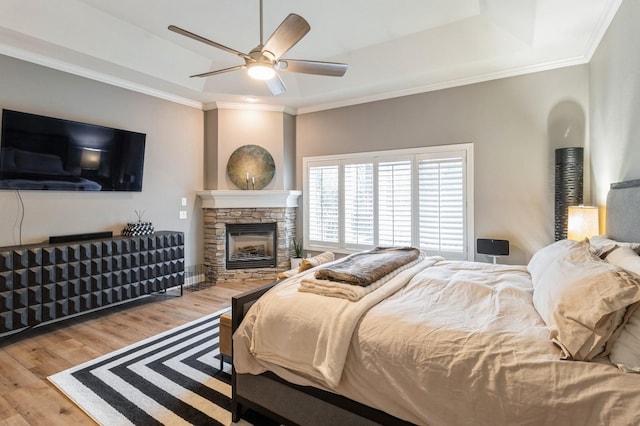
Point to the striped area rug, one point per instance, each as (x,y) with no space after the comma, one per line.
(169,379)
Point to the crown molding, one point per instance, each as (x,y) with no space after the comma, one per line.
(251,107)
(580,60)
(93,75)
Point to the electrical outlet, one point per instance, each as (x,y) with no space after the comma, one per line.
(184,201)
(183,214)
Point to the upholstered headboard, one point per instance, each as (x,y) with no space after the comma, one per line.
(623,211)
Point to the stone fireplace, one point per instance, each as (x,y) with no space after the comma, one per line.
(251,245)
(224,210)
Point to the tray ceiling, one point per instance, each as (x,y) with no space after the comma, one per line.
(392,48)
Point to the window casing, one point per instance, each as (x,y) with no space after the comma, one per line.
(419,197)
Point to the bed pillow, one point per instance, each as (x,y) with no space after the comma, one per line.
(625,258)
(582,299)
(602,245)
(287,274)
(314,261)
(625,352)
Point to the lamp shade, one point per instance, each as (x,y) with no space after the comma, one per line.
(582,223)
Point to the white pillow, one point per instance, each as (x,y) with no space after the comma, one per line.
(625,352)
(602,245)
(625,258)
(581,298)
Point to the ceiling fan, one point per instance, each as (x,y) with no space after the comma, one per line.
(263,61)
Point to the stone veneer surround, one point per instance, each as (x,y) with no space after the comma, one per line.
(223,207)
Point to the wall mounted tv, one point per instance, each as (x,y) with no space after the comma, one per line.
(44,153)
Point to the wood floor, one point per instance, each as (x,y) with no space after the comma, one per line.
(27,397)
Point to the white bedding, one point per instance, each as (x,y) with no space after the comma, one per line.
(309,333)
(460,343)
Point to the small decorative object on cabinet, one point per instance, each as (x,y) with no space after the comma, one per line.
(139,227)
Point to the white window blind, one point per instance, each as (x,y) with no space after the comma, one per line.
(441,199)
(323,194)
(394,201)
(420,197)
(358,204)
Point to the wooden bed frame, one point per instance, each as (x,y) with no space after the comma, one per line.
(292,404)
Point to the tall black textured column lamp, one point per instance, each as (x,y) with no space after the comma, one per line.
(569,172)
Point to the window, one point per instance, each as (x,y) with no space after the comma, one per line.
(419,197)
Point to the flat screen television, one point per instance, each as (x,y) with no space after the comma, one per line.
(45,153)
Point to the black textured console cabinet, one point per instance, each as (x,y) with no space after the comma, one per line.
(46,282)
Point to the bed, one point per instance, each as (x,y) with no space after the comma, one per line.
(441,342)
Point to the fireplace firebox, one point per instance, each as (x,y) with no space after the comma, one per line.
(251,245)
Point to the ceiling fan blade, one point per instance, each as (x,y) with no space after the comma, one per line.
(334,69)
(209,73)
(276,85)
(290,31)
(201,39)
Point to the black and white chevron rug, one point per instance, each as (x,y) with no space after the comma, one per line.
(169,379)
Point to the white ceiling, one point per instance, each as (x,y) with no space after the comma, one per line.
(393,48)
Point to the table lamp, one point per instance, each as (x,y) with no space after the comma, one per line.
(582,222)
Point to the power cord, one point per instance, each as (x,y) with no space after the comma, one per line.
(19,217)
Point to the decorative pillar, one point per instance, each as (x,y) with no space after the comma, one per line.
(569,186)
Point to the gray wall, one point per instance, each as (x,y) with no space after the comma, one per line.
(173,159)
(515,124)
(211,149)
(614,88)
(227,129)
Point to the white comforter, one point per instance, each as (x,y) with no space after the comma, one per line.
(310,334)
(460,343)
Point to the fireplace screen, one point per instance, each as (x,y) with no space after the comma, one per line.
(251,245)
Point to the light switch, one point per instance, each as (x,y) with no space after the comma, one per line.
(184,201)
(183,214)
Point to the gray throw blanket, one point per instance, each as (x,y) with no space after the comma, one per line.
(369,266)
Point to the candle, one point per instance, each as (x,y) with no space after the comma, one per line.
(247,176)
(253,180)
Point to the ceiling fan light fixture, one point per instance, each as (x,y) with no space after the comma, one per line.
(261,71)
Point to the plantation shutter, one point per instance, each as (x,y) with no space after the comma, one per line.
(441,187)
(358,204)
(323,193)
(394,203)
(421,197)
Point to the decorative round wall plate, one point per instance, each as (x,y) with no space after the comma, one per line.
(251,167)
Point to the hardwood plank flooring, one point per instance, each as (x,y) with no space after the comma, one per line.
(26,359)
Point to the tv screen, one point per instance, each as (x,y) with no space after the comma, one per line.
(44,153)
